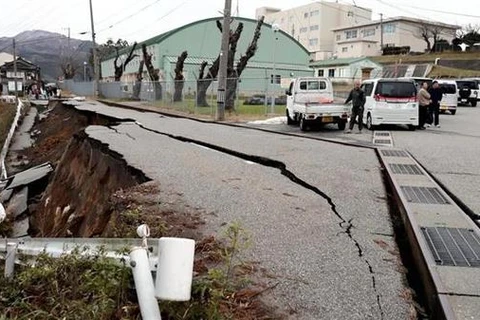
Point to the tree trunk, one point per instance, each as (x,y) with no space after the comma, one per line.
(179,78)
(153,73)
(202,87)
(231,94)
(137,88)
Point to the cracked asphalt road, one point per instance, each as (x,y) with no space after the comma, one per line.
(316,211)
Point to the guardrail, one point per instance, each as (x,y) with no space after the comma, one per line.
(171,259)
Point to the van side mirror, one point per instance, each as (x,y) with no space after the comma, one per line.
(288,93)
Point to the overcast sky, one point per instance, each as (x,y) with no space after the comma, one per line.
(138,20)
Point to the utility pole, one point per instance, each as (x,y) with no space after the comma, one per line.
(222,72)
(381,31)
(94,54)
(15,71)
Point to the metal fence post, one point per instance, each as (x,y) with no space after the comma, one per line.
(10,259)
(144,284)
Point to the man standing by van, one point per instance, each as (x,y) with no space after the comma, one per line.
(423,103)
(357,96)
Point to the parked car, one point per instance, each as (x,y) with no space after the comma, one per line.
(467,92)
(449,100)
(259,99)
(310,101)
(477,81)
(390,101)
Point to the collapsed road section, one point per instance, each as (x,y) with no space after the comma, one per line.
(318,221)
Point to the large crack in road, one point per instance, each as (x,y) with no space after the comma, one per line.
(344,224)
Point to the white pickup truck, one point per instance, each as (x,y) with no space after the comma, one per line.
(310,102)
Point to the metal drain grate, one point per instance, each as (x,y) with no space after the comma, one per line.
(405,169)
(394,153)
(453,246)
(382,141)
(382,134)
(424,195)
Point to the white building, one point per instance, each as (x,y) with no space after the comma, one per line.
(347,69)
(366,39)
(312,24)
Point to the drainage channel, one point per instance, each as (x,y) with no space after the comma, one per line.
(444,240)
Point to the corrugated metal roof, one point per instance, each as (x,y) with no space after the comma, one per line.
(251,64)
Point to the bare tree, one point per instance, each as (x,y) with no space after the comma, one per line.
(152,72)
(179,78)
(430,34)
(119,69)
(69,68)
(235,73)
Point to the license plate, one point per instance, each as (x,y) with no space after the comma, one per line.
(464,100)
(444,108)
(327,119)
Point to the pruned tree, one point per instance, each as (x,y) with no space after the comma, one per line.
(152,73)
(430,34)
(179,78)
(204,80)
(137,88)
(119,69)
(69,68)
(235,73)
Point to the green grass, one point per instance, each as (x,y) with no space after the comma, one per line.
(7,113)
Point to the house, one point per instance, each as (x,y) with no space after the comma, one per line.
(347,69)
(27,73)
(278,55)
(368,39)
(312,24)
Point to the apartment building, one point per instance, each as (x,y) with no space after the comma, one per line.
(312,24)
(366,39)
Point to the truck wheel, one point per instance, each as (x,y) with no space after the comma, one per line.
(474,103)
(369,122)
(341,125)
(303,124)
(289,120)
(452,112)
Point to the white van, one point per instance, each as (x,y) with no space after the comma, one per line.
(449,100)
(390,101)
(310,102)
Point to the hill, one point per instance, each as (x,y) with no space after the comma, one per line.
(48,50)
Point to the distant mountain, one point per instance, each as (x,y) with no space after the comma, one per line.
(48,50)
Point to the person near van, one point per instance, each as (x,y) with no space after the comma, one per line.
(434,108)
(423,102)
(357,96)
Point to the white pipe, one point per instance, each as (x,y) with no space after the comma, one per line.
(10,259)
(174,269)
(4,152)
(144,284)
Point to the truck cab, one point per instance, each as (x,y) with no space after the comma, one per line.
(310,102)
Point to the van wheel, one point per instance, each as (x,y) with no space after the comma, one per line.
(452,112)
(474,103)
(342,125)
(369,122)
(303,124)
(289,120)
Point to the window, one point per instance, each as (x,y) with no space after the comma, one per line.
(313,85)
(344,49)
(314,13)
(303,30)
(339,37)
(389,28)
(448,88)
(369,32)
(320,73)
(314,28)
(396,89)
(367,88)
(278,79)
(331,73)
(351,34)
(305,15)
(313,41)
